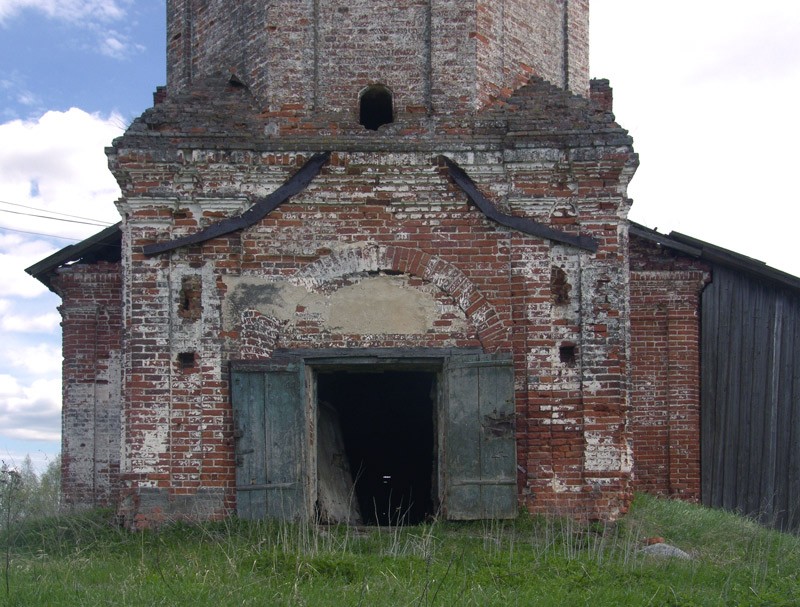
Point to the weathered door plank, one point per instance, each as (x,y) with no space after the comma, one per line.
(270,442)
(479,439)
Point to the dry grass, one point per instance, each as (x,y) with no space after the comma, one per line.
(530,561)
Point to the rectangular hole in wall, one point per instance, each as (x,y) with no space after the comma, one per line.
(189,302)
(187,361)
(566,354)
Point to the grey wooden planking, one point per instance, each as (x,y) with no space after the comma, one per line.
(750,412)
(708,373)
(270,438)
(783,443)
(480,449)
(478,438)
(794,423)
(248,391)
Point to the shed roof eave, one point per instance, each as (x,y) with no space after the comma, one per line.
(714,254)
(94,245)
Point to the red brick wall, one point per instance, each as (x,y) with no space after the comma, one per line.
(577,53)
(381,214)
(665,370)
(437,57)
(392,215)
(518,39)
(486,278)
(92,342)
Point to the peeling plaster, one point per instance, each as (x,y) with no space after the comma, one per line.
(376,305)
(560,486)
(602,454)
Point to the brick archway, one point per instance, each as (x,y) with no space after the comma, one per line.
(406,260)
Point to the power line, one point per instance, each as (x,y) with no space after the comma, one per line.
(31,208)
(40,234)
(88,223)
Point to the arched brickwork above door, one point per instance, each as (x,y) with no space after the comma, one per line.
(321,275)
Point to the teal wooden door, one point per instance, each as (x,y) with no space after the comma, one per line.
(479,441)
(268,409)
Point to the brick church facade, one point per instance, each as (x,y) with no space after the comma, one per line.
(374,263)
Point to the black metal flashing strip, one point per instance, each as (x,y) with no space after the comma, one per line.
(523,224)
(260,209)
(663,240)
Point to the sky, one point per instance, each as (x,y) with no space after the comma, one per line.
(707,89)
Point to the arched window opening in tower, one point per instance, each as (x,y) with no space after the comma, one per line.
(375,107)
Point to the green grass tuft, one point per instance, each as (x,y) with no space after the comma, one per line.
(88,560)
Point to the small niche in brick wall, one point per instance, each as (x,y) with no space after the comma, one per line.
(375,107)
(187,361)
(566,353)
(559,286)
(189,304)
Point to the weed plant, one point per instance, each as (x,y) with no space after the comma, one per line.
(88,560)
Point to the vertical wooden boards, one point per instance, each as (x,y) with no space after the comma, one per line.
(750,412)
(793,493)
(479,445)
(248,390)
(709,357)
(732,324)
(270,446)
(784,506)
(476,442)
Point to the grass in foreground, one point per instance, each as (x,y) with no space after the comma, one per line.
(530,561)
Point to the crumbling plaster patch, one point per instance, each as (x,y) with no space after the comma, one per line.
(560,486)
(153,443)
(604,454)
(382,304)
(369,304)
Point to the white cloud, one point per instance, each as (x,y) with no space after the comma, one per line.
(15,91)
(18,252)
(755,43)
(66,10)
(30,412)
(119,46)
(26,323)
(707,90)
(32,316)
(55,163)
(38,359)
(93,16)
(28,98)
(62,153)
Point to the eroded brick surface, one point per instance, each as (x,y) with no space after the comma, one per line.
(92,388)
(380,227)
(665,376)
(444,56)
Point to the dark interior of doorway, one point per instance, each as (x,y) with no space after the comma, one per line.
(386,424)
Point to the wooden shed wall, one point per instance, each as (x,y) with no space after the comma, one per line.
(750,398)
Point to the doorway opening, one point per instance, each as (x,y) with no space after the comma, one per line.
(376,446)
